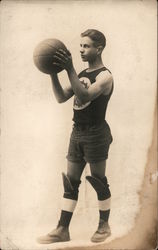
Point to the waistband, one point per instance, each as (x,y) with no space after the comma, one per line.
(82,126)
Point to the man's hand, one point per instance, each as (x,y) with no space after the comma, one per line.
(63,59)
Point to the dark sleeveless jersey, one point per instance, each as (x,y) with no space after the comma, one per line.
(92,112)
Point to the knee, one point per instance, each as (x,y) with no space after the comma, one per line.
(71,187)
(102,178)
(100,185)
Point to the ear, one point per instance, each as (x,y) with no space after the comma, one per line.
(99,49)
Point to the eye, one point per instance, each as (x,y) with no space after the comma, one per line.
(86,46)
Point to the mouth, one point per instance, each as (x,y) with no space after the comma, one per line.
(83,57)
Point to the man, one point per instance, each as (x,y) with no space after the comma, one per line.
(91,135)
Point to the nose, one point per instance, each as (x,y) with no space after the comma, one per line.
(81,50)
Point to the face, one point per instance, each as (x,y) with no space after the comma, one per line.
(87,49)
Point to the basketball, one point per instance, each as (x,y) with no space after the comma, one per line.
(43,55)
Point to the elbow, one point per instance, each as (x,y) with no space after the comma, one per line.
(61,100)
(84,98)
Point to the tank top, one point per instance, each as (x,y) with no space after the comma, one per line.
(92,112)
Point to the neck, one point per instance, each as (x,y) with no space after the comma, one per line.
(96,64)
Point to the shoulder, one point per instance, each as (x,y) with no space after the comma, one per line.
(105,79)
(105,76)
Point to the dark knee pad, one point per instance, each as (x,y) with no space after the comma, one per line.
(101,186)
(71,187)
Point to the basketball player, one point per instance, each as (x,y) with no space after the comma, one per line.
(91,135)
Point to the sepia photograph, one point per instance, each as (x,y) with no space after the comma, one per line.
(78,152)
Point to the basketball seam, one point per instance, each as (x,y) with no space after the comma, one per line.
(46,54)
(51,46)
(42,55)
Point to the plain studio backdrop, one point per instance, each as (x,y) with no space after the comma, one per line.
(36,129)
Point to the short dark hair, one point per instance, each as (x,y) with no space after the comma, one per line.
(96,36)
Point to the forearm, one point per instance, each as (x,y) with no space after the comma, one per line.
(79,90)
(57,89)
(64,60)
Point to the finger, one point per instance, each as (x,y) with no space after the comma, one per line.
(57,64)
(68,52)
(61,52)
(59,59)
(65,52)
(61,56)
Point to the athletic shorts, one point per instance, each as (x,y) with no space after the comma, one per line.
(89,143)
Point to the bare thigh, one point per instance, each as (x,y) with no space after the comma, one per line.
(75,169)
(98,169)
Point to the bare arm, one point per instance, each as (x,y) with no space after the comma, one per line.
(62,95)
(102,85)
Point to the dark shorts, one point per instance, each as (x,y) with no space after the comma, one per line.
(89,143)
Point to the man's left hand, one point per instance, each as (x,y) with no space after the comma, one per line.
(63,59)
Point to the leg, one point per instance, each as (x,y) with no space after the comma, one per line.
(100,184)
(75,169)
(96,152)
(98,169)
(98,181)
(71,183)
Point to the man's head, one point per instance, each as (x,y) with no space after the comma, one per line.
(92,44)
(96,36)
